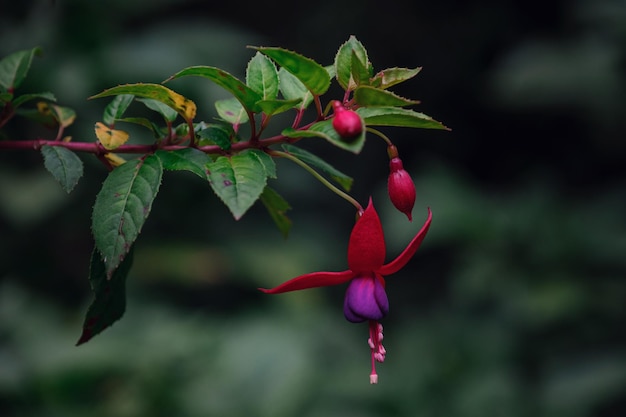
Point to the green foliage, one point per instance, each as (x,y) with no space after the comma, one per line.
(109,292)
(14,68)
(237,169)
(312,75)
(64,165)
(122,206)
(240,179)
(243,93)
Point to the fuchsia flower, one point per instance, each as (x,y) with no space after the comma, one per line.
(365,298)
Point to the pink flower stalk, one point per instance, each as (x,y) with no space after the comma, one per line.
(401,187)
(365,297)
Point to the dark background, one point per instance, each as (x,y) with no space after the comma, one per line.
(514,305)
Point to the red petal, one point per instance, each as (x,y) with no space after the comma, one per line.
(366,250)
(311,280)
(402,259)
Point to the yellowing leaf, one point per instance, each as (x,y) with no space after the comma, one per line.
(43,108)
(182,105)
(110,138)
(114,160)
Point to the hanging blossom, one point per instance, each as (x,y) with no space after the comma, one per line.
(365,299)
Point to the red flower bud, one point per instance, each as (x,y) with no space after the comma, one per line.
(347,123)
(401,188)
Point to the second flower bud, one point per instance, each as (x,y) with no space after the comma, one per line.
(401,187)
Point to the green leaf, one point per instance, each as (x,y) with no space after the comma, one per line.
(238,181)
(18,101)
(267,161)
(244,94)
(361,71)
(14,67)
(109,303)
(293,89)
(392,76)
(168,113)
(311,159)
(272,107)
(44,117)
(6,97)
(142,121)
(351,49)
(187,159)
(63,164)
(232,111)
(324,129)
(185,107)
(277,206)
(314,77)
(375,97)
(394,116)
(216,134)
(122,206)
(116,108)
(63,115)
(262,76)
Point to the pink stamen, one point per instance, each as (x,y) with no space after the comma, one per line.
(377,349)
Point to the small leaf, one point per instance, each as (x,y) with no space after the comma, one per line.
(361,72)
(216,134)
(392,76)
(262,76)
(244,94)
(5,97)
(185,107)
(114,159)
(232,111)
(272,107)
(116,108)
(64,165)
(14,68)
(18,101)
(187,159)
(238,181)
(344,62)
(293,89)
(394,116)
(64,115)
(324,129)
(375,97)
(277,206)
(110,138)
(122,207)
(109,303)
(314,77)
(41,114)
(142,121)
(311,159)
(168,113)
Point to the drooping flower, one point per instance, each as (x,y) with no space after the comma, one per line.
(365,299)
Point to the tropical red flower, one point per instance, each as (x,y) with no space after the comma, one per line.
(365,298)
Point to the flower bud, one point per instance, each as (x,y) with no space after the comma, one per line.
(401,188)
(347,123)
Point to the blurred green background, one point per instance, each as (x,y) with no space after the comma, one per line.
(514,305)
